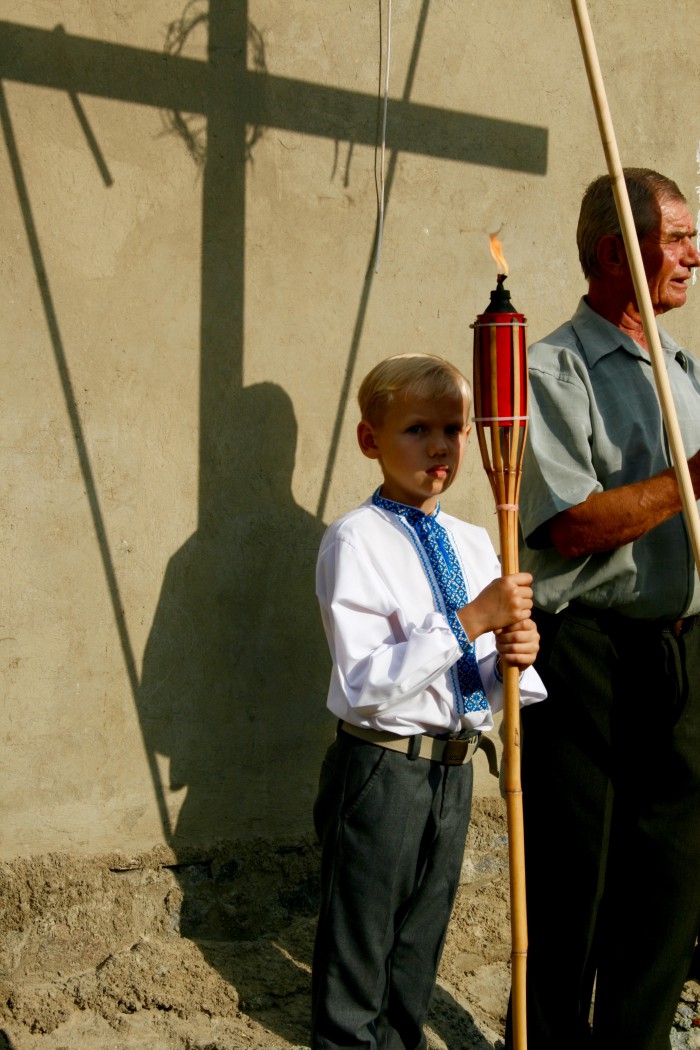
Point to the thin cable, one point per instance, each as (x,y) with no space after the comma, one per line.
(383,153)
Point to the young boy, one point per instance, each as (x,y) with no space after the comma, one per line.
(409,598)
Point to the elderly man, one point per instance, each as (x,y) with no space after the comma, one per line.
(611,761)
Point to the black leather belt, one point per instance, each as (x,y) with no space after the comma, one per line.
(611,620)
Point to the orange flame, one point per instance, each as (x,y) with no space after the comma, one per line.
(497,252)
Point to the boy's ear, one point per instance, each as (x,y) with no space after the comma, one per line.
(366,440)
(468,431)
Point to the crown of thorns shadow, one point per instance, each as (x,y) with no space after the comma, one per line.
(192,127)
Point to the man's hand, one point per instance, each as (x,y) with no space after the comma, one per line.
(505,601)
(694,468)
(518,644)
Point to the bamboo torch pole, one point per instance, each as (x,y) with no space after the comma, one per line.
(634,255)
(500,410)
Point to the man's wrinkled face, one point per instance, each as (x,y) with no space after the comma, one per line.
(670,254)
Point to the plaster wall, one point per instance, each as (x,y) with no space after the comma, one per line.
(188,302)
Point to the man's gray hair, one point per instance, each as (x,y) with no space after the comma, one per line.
(598,215)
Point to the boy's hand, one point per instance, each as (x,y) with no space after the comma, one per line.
(518,644)
(505,601)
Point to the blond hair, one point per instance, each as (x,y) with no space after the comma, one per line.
(420,375)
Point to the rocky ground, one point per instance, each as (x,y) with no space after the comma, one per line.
(167,953)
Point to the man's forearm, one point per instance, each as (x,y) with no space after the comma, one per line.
(608,520)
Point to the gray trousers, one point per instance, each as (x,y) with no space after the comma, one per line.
(393,831)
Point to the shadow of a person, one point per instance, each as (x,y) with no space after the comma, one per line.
(235,675)
(454,1025)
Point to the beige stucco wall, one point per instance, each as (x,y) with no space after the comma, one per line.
(182,343)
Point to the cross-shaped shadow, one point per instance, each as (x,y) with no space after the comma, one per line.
(235,670)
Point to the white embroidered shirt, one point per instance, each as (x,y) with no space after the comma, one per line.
(392,647)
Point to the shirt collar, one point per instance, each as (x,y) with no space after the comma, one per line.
(412,514)
(599,337)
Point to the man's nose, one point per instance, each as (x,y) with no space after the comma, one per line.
(692,255)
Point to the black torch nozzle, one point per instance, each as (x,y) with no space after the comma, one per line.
(500,298)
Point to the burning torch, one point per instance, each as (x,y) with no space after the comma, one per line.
(500,415)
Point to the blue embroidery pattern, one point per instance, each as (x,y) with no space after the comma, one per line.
(450,594)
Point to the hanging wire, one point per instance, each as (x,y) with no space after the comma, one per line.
(380,231)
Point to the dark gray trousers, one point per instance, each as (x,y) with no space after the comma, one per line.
(393,832)
(611,789)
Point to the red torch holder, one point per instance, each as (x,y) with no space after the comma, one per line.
(500,408)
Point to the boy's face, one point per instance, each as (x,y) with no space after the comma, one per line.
(419,445)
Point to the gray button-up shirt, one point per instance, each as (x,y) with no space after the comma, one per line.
(596,424)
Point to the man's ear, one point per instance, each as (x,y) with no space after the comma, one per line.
(366,440)
(611,255)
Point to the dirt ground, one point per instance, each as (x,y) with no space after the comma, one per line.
(169,953)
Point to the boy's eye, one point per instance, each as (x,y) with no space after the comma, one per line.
(417,428)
